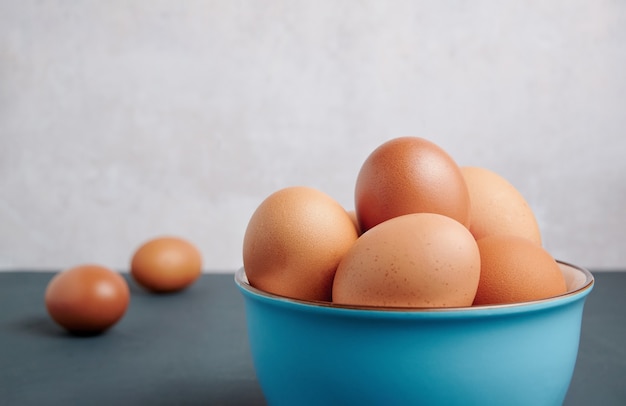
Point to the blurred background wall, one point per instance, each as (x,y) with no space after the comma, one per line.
(124,120)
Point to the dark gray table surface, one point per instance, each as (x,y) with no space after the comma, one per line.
(191,348)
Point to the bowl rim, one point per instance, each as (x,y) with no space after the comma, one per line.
(581,291)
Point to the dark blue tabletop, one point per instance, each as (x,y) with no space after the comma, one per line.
(191,348)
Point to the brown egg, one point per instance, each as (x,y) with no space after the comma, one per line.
(409,175)
(87,299)
(497,207)
(166,264)
(355,221)
(414,260)
(515,269)
(294,242)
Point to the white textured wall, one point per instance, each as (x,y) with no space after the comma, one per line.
(123,120)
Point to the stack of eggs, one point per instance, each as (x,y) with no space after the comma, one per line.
(425,233)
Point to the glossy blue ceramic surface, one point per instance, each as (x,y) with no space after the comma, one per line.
(319,354)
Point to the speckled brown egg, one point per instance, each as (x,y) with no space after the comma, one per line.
(515,269)
(410,175)
(294,242)
(497,207)
(414,260)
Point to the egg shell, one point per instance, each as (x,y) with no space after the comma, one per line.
(497,207)
(515,269)
(410,175)
(166,264)
(294,242)
(355,221)
(414,260)
(87,299)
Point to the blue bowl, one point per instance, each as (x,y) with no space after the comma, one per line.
(317,353)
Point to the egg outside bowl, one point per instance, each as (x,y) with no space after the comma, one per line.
(316,353)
